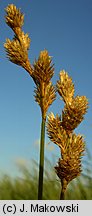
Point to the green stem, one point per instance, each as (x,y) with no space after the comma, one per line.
(41,164)
(63,190)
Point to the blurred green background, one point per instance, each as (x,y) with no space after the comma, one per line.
(24,187)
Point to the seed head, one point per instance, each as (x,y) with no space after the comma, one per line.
(17,54)
(42,74)
(17,49)
(14,17)
(69,166)
(43,70)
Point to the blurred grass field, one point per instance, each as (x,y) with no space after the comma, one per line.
(25,187)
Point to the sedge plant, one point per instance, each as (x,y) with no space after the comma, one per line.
(60,128)
(41,72)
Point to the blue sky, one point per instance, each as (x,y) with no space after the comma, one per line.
(64,28)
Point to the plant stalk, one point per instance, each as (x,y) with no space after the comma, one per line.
(41,164)
(64,186)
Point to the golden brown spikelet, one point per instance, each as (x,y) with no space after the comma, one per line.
(73,114)
(65,87)
(15,20)
(14,17)
(42,74)
(55,131)
(43,70)
(66,171)
(17,49)
(48,97)
(17,54)
(59,135)
(69,166)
